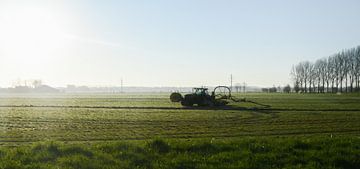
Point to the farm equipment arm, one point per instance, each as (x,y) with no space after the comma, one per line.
(249,101)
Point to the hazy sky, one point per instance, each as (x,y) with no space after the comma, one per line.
(169,43)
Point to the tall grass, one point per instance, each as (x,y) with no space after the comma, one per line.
(277,152)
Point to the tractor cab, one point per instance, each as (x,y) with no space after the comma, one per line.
(201,91)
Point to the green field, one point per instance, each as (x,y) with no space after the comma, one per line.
(63,130)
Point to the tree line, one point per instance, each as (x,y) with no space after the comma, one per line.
(337,73)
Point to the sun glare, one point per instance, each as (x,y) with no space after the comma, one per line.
(30,35)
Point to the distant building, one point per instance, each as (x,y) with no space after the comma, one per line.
(26,89)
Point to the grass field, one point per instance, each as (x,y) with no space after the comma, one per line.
(118,130)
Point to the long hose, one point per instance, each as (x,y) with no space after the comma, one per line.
(249,101)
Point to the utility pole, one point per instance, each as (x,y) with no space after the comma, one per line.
(244,86)
(121,88)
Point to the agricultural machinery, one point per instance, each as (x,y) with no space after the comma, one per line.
(220,96)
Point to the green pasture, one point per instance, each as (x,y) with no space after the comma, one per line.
(66,130)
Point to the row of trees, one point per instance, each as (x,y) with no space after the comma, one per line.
(337,73)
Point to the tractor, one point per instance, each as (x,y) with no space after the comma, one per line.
(201,97)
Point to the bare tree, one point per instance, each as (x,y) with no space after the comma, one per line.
(287,89)
(322,69)
(238,87)
(305,74)
(351,59)
(295,76)
(327,77)
(341,71)
(300,76)
(36,83)
(346,68)
(357,68)
(337,70)
(319,74)
(308,78)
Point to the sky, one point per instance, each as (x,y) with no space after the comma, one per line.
(169,43)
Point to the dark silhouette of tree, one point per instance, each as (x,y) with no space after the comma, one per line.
(237,87)
(337,73)
(287,89)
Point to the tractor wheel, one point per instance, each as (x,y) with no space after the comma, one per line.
(176,97)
